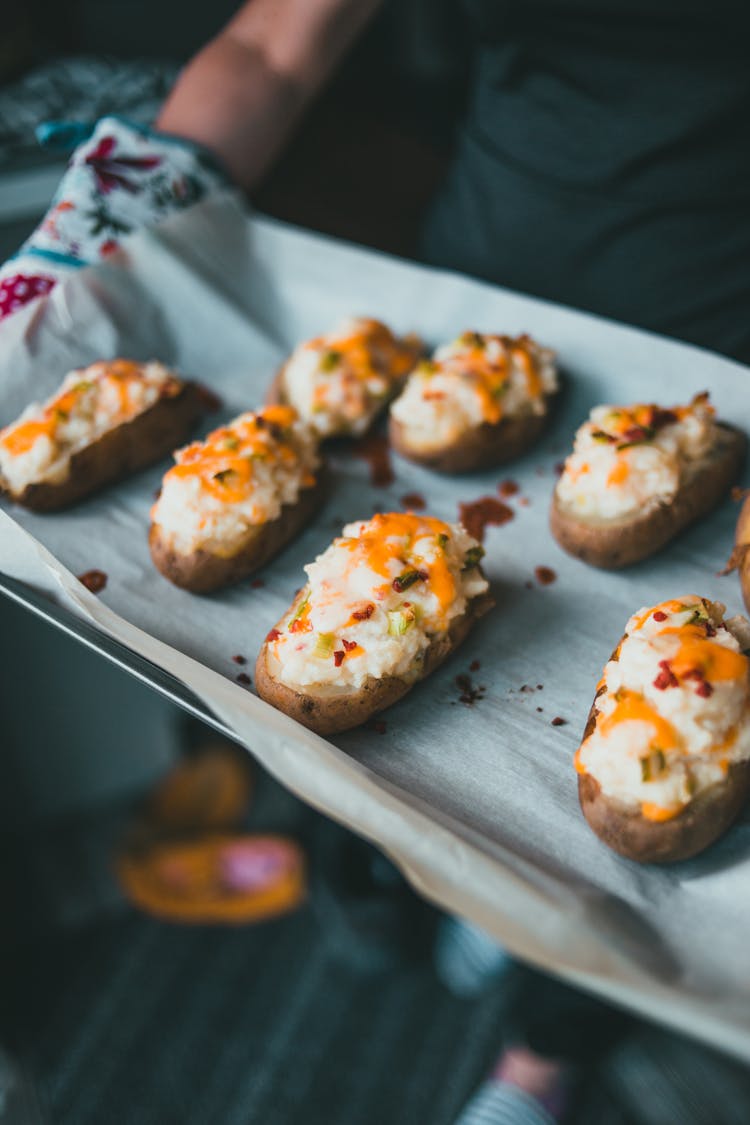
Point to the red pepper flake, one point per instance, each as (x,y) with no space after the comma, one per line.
(375,450)
(414,500)
(239,659)
(93,580)
(666,678)
(378,725)
(558,721)
(208,399)
(545,575)
(257,583)
(710,630)
(244,679)
(363,614)
(636,434)
(348,645)
(479,514)
(273,635)
(338,657)
(508,488)
(474,666)
(660,615)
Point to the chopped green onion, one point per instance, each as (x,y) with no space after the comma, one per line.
(324,643)
(300,610)
(330,360)
(474,556)
(401,620)
(224,476)
(442,540)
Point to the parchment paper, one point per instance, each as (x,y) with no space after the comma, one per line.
(477,803)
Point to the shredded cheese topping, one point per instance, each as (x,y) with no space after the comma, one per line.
(674,710)
(475,379)
(375,599)
(339,381)
(239,477)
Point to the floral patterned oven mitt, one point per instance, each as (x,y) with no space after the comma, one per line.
(121,177)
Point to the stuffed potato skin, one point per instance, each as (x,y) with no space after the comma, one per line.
(624,828)
(330,712)
(742,550)
(611,544)
(120,452)
(485,447)
(203,572)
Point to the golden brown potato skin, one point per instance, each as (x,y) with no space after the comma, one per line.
(201,572)
(624,829)
(329,713)
(484,447)
(742,547)
(612,544)
(120,452)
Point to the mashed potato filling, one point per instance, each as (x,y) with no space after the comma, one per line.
(339,381)
(90,402)
(475,379)
(674,712)
(375,599)
(239,477)
(626,458)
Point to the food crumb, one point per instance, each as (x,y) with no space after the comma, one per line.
(244,679)
(474,666)
(558,721)
(257,583)
(508,487)
(540,709)
(470,693)
(239,659)
(544,575)
(93,580)
(524,501)
(529,585)
(540,687)
(526,688)
(479,514)
(378,725)
(414,500)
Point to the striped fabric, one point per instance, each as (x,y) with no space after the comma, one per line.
(496,1103)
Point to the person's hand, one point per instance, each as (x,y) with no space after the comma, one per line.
(120,177)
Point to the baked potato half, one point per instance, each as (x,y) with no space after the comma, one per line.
(741,554)
(638,476)
(384,606)
(107,421)
(341,382)
(481,401)
(664,764)
(231,503)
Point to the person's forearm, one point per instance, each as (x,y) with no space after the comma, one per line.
(242,94)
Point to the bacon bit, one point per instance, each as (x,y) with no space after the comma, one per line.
(545,575)
(710,630)
(239,659)
(208,399)
(508,488)
(558,721)
(93,580)
(378,725)
(470,693)
(414,500)
(257,583)
(660,615)
(474,666)
(348,645)
(479,514)
(244,679)
(704,689)
(376,451)
(739,493)
(363,614)
(635,433)
(273,635)
(338,657)
(660,418)
(666,678)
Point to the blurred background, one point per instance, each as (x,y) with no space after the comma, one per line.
(327,1002)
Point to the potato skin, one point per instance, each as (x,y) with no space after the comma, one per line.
(332,713)
(623,827)
(202,572)
(120,452)
(742,547)
(483,447)
(612,544)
